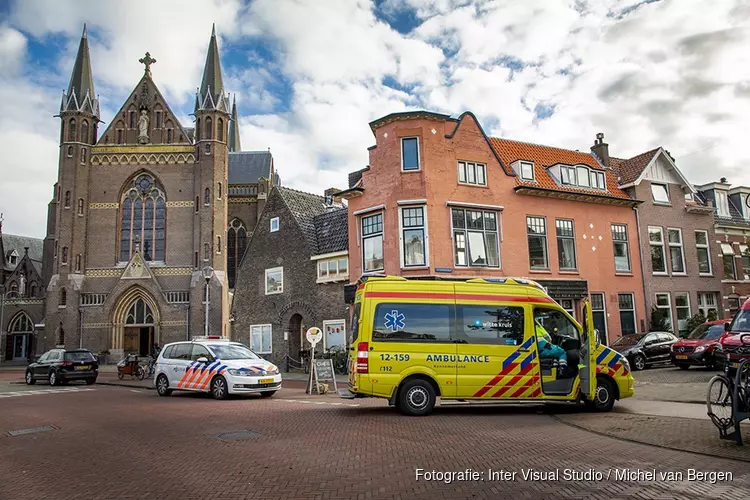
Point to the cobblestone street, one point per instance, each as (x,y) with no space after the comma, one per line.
(119,442)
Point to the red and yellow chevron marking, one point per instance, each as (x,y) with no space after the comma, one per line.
(516,380)
(617,370)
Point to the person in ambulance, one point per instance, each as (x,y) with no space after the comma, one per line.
(544,342)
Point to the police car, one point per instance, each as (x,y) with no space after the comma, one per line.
(215,365)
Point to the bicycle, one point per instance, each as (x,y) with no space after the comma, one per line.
(731,404)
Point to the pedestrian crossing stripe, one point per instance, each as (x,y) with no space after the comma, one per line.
(15,394)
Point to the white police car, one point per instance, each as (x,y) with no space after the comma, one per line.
(215,365)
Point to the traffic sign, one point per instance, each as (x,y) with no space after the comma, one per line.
(314,335)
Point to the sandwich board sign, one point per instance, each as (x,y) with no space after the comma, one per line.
(320,369)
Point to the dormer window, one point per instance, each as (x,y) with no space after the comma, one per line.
(13,259)
(582,176)
(722,203)
(527,171)
(660,193)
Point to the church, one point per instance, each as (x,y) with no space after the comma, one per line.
(150,217)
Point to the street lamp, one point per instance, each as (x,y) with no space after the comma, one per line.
(208,271)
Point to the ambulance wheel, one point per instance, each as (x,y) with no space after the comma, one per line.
(219,389)
(162,386)
(416,398)
(604,396)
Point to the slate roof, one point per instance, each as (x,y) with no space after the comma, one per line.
(544,157)
(332,231)
(354,177)
(314,218)
(13,242)
(247,167)
(735,215)
(629,170)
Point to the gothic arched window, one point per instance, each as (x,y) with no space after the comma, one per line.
(21,324)
(206,251)
(63,297)
(80,206)
(84,131)
(207,196)
(220,129)
(67,199)
(209,128)
(139,314)
(236,244)
(78,263)
(143,220)
(72,130)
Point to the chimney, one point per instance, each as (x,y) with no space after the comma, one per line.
(330,196)
(601,149)
(723,180)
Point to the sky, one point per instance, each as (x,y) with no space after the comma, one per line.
(309,75)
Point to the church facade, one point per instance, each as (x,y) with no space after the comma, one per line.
(150,218)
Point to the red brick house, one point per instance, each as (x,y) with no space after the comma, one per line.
(442,199)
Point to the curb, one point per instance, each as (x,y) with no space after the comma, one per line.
(120,384)
(628,440)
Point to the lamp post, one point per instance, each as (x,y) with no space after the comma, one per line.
(208,272)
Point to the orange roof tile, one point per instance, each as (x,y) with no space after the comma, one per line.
(547,156)
(629,170)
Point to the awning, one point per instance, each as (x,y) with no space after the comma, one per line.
(727,249)
(565,289)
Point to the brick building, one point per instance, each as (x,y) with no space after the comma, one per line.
(21,295)
(140,209)
(682,273)
(441,199)
(295,278)
(732,227)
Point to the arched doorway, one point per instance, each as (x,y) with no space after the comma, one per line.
(296,335)
(19,337)
(135,323)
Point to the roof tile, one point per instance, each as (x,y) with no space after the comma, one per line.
(629,170)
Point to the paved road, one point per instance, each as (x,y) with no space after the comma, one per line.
(120,443)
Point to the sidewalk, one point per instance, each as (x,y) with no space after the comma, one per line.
(677,392)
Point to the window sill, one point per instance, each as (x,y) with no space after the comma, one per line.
(660,274)
(468,184)
(540,271)
(683,275)
(703,275)
(415,268)
(569,271)
(411,170)
(469,268)
(662,204)
(333,280)
(275,293)
(623,273)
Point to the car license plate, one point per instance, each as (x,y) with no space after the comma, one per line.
(735,365)
(266,381)
(86,367)
(681,357)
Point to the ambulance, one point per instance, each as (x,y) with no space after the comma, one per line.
(476,340)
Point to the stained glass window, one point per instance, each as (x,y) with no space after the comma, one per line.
(143,220)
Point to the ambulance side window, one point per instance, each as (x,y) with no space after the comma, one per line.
(412,323)
(355,321)
(555,323)
(490,324)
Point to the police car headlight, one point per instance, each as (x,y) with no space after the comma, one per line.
(625,363)
(240,373)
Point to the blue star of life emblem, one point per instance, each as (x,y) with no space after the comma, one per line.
(395,321)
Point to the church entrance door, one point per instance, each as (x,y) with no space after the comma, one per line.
(139,329)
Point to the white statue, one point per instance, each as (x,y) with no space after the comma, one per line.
(22,287)
(143,127)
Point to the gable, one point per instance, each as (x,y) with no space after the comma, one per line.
(661,171)
(163,127)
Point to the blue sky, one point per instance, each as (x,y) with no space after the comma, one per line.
(310,75)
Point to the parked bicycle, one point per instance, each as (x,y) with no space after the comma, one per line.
(728,398)
(340,357)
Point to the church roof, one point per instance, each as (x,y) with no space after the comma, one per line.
(18,243)
(211,93)
(81,95)
(246,167)
(234,130)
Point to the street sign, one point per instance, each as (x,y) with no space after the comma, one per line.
(314,335)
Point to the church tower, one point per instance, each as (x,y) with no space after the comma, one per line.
(66,226)
(212,126)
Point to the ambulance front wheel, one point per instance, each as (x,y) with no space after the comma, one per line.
(604,397)
(417,398)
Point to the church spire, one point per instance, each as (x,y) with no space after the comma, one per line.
(234,129)
(81,95)
(211,94)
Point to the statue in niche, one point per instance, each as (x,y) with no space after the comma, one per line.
(143,127)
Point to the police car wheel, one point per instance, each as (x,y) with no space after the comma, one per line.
(162,386)
(417,398)
(219,389)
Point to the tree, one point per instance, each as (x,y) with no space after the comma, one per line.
(659,321)
(713,315)
(694,323)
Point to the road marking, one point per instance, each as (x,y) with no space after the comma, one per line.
(308,402)
(136,391)
(42,391)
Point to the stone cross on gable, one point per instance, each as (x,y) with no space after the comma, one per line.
(147,61)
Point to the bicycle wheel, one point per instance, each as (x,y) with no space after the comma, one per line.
(139,372)
(719,400)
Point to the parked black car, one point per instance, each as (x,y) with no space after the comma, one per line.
(60,366)
(644,349)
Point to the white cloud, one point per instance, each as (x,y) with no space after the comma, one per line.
(671,73)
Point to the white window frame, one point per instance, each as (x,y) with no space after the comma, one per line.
(704,306)
(679,245)
(425,233)
(363,237)
(469,166)
(579,177)
(530,165)
(274,270)
(419,157)
(334,322)
(337,276)
(665,188)
(722,204)
(270,347)
(663,250)
(546,242)
(733,257)
(632,310)
(572,238)
(626,242)
(603,310)
(743,254)
(274,225)
(677,309)
(466,231)
(668,307)
(707,248)
(601,180)
(568,171)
